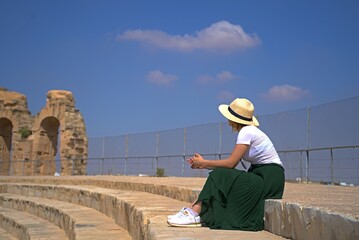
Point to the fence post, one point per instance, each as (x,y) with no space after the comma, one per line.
(307,167)
(157,152)
(102,160)
(331,166)
(301,167)
(103,154)
(184,149)
(220,141)
(126,153)
(308,139)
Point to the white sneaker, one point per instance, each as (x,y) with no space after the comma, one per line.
(184,219)
(177,214)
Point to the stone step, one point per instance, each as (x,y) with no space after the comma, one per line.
(142,214)
(26,226)
(78,222)
(307,211)
(4,235)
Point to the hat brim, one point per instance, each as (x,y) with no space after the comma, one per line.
(223,108)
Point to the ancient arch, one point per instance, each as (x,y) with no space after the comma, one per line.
(46,146)
(33,140)
(14,116)
(5,145)
(60,120)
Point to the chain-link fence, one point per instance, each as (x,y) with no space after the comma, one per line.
(318,144)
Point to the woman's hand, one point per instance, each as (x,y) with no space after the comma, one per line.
(197,161)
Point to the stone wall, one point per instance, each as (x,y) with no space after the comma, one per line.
(30,144)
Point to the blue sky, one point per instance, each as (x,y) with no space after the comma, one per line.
(143,66)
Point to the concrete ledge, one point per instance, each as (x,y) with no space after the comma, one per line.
(293,221)
(26,226)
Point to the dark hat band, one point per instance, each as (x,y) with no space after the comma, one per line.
(237,115)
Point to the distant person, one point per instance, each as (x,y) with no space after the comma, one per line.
(231,198)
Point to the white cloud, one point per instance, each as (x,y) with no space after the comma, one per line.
(225,76)
(222,77)
(219,36)
(158,77)
(204,79)
(285,93)
(225,96)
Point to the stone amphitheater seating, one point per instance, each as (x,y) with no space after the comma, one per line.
(46,209)
(104,208)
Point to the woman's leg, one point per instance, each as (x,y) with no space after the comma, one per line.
(232,199)
(274,180)
(197,206)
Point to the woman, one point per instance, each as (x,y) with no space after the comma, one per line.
(231,198)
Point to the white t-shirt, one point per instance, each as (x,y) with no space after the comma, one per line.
(261,149)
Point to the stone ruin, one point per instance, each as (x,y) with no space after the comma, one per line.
(29,144)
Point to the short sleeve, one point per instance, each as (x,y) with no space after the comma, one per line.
(245,136)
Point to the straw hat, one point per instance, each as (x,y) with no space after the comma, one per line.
(239,111)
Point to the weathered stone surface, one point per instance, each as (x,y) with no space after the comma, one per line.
(14,117)
(26,226)
(142,214)
(59,97)
(298,222)
(78,222)
(34,140)
(314,219)
(12,100)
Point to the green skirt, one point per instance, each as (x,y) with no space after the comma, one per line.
(234,199)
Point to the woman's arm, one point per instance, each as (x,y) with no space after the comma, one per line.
(231,162)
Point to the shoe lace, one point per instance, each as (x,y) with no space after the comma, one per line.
(186,214)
